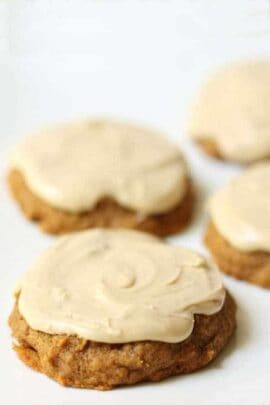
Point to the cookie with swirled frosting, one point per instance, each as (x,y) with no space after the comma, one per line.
(239,232)
(101,174)
(103,308)
(230,116)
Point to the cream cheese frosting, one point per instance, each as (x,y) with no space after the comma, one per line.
(241,210)
(118,286)
(74,166)
(233,110)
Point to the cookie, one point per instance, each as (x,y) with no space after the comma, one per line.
(230,116)
(238,235)
(253,267)
(76,362)
(101,174)
(106,213)
(104,308)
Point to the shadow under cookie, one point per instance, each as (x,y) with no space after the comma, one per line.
(253,267)
(77,362)
(107,213)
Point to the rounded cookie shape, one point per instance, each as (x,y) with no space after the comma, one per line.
(101,173)
(107,213)
(116,292)
(81,363)
(253,267)
(230,117)
(239,233)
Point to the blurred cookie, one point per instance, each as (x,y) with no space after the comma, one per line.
(101,174)
(103,308)
(230,118)
(239,233)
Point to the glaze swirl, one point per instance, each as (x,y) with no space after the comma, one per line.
(118,286)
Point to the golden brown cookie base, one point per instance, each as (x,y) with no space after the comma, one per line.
(250,266)
(210,148)
(107,213)
(75,362)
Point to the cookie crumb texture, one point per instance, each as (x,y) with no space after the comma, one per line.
(75,362)
(253,267)
(107,213)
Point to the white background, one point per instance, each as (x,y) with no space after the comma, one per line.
(140,60)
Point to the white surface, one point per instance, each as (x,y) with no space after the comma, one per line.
(140,60)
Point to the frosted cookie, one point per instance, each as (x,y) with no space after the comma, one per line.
(101,174)
(230,117)
(239,233)
(103,308)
